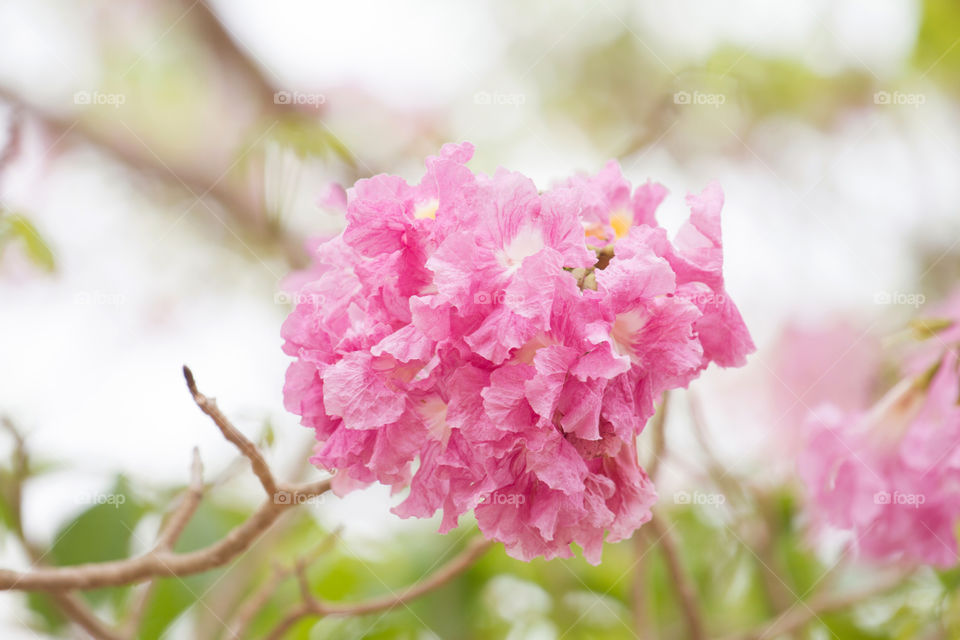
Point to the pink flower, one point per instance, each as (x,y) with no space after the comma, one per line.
(891,476)
(492,348)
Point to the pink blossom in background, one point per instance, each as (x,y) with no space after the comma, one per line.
(497,349)
(891,474)
(837,362)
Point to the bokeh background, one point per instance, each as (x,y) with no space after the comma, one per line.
(161,164)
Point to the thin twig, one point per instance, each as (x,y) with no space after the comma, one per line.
(658,436)
(680,582)
(165,562)
(249,450)
(315,607)
(245,210)
(169,534)
(254,604)
(821,605)
(641,612)
(188,506)
(71,605)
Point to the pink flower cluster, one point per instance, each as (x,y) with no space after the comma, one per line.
(891,475)
(499,349)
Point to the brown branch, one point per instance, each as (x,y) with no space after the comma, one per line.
(254,604)
(72,606)
(798,616)
(76,609)
(680,582)
(659,438)
(162,562)
(188,506)
(169,534)
(641,612)
(249,450)
(247,211)
(312,606)
(159,563)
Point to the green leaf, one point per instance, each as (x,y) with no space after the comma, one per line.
(101,533)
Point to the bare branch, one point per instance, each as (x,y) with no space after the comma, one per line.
(245,210)
(798,616)
(162,563)
(680,582)
(248,611)
(659,438)
(315,607)
(169,534)
(76,609)
(249,450)
(641,620)
(187,507)
(72,606)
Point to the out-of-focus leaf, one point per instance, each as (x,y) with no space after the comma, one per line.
(16,228)
(936,53)
(308,137)
(101,533)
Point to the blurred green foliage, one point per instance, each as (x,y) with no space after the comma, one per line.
(16,229)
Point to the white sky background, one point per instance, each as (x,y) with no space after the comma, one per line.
(97,385)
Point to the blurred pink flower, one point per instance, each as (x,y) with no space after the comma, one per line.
(499,349)
(891,475)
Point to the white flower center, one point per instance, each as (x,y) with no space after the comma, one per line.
(527,242)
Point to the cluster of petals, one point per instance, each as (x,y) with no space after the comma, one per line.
(492,348)
(890,475)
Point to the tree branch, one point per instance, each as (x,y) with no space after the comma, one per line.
(249,450)
(163,561)
(312,606)
(798,616)
(254,604)
(72,606)
(680,582)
